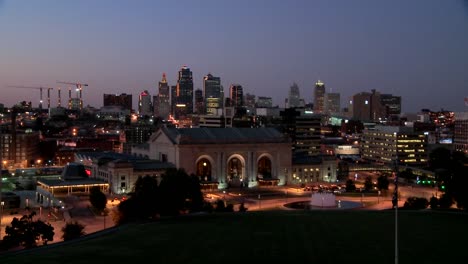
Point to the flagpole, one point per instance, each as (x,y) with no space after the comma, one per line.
(395,203)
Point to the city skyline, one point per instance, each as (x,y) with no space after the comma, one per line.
(415,50)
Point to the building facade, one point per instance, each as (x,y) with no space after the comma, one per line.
(123,100)
(224,156)
(387,144)
(319,97)
(303,127)
(332,103)
(120,171)
(236,94)
(145,107)
(460,139)
(213,93)
(162,103)
(294,97)
(367,106)
(184,93)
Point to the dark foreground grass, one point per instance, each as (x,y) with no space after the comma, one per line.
(271,237)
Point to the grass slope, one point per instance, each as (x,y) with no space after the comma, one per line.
(275,237)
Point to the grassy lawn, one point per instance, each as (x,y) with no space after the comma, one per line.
(275,237)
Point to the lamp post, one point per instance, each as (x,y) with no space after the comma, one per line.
(259,201)
(1,216)
(395,204)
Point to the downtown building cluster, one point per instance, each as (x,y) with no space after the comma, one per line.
(223,133)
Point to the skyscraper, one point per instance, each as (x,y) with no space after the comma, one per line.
(199,102)
(144,104)
(162,103)
(391,103)
(367,106)
(124,100)
(237,95)
(319,97)
(213,93)
(332,103)
(184,93)
(294,96)
(249,100)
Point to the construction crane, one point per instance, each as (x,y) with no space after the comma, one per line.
(79,89)
(40,91)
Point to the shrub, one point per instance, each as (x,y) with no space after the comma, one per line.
(416,203)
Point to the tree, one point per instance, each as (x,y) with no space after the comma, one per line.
(97,198)
(181,192)
(434,202)
(242,208)
(382,182)
(350,186)
(26,232)
(143,204)
(416,203)
(445,201)
(220,206)
(368,184)
(72,230)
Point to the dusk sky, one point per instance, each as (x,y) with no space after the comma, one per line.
(415,49)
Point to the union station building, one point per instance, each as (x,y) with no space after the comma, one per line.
(223,157)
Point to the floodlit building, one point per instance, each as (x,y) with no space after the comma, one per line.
(385,144)
(224,156)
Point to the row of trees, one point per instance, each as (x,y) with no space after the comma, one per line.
(27,232)
(177,193)
(451,170)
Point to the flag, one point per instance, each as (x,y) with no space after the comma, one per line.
(466,101)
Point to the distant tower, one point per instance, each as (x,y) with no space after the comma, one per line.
(144,104)
(332,103)
(163,103)
(213,94)
(367,106)
(124,100)
(237,95)
(319,97)
(184,93)
(199,102)
(294,97)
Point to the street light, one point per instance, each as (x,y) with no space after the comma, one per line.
(1,217)
(259,201)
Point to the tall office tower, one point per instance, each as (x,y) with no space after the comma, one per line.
(460,131)
(237,95)
(124,100)
(199,102)
(367,106)
(173,99)
(184,93)
(145,107)
(213,92)
(162,105)
(294,97)
(332,103)
(384,144)
(249,100)
(264,102)
(319,97)
(304,129)
(391,103)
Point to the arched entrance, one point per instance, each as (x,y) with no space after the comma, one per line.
(204,170)
(235,174)
(264,168)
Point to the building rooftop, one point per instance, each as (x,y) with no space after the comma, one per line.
(224,135)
